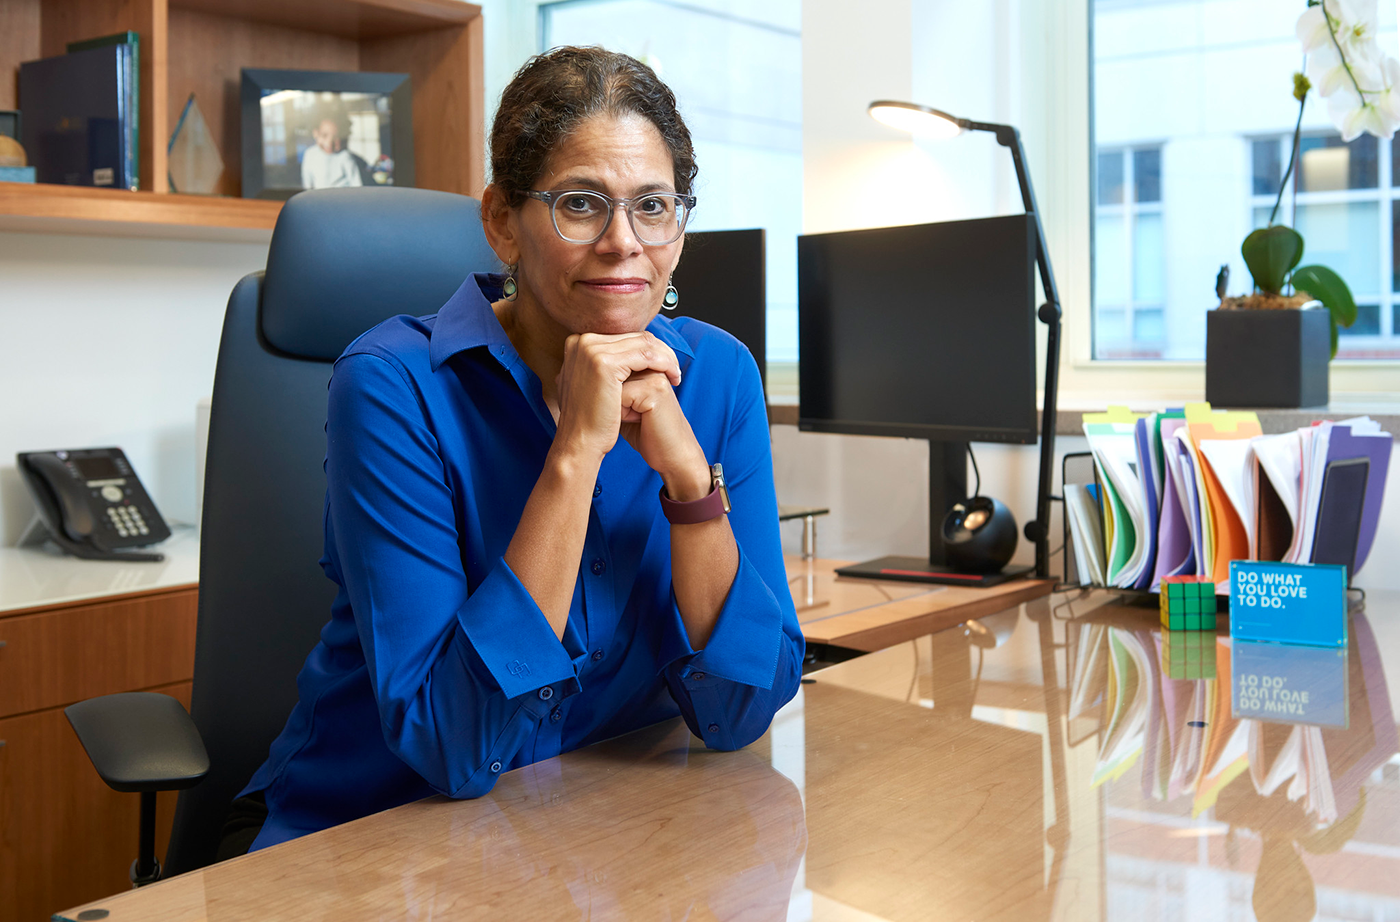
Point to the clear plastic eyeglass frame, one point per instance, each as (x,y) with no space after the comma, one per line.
(682,203)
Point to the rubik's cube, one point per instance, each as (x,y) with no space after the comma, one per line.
(1188,654)
(1188,603)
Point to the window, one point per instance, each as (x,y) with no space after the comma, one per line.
(1192,120)
(736,71)
(1128,269)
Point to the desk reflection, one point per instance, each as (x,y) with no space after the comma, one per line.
(1246,776)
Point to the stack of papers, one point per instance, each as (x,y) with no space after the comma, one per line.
(1185,491)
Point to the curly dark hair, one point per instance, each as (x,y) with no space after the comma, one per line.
(556,91)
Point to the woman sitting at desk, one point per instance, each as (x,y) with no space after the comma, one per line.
(510,587)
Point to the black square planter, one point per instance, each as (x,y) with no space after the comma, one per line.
(1267,358)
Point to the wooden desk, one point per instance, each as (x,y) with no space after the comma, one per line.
(871,614)
(900,785)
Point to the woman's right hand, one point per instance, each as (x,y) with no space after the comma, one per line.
(590,386)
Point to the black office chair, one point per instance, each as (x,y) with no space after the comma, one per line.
(341,260)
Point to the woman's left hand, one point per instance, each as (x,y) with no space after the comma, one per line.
(654,424)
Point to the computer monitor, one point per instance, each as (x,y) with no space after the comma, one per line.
(721,280)
(925,331)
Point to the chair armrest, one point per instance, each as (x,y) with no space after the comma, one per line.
(140,741)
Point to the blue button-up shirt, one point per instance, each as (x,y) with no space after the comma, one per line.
(437,670)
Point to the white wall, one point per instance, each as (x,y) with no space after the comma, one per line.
(110,341)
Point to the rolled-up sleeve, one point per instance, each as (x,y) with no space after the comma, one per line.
(752,664)
(461,675)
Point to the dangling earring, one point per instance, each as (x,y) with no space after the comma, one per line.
(508,288)
(672,297)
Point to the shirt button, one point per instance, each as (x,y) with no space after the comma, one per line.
(597,490)
(597,656)
(598,566)
(546,693)
(714,728)
(495,767)
(697,675)
(555,715)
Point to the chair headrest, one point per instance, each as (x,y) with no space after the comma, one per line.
(342,260)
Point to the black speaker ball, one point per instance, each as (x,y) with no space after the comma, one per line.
(979,535)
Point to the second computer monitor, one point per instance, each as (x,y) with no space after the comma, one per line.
(925,331)
(721,280)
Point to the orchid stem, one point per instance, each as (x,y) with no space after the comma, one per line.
(1292,157)
(1332,31)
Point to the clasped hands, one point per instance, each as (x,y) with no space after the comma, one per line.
(624,384)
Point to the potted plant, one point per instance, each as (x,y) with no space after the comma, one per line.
(1271,348)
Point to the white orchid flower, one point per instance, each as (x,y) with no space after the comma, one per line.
(1376,111)
(1352,21)
(1345,63)
(1330,73)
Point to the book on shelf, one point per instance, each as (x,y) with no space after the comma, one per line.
(133,93)
(1185,491)
(77,117)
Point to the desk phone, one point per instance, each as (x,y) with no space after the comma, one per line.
(92,502)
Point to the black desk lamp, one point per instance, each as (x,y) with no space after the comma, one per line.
(917,119)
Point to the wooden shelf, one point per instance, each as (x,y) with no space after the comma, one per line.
(41,208)
(356,19)
(200,47)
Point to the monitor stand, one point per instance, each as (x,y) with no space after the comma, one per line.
(947,484)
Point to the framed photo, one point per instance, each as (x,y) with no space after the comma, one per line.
(316,129)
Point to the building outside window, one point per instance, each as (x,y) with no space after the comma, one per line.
(1129,262)
(1192,120)
(736,70)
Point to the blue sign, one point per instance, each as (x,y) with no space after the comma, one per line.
(1302,603)
(1290,684)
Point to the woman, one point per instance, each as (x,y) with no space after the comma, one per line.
(514,580)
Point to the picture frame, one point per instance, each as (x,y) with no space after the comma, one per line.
(309,129)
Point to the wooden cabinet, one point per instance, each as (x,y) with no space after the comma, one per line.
(65,837)
(200,46)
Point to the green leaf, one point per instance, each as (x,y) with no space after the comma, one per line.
(1270,253)
(1327,286)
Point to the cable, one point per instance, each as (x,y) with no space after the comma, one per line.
(973,458)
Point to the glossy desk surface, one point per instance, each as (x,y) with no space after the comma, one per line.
(1045,765)
(872,614)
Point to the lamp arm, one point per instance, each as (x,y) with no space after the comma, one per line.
(1037,531)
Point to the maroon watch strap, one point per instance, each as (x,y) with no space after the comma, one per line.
(694,512)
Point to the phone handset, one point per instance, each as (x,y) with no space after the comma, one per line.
(92,504)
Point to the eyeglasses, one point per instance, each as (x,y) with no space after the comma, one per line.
(581,216)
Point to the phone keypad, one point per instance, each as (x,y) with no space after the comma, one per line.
(128,521)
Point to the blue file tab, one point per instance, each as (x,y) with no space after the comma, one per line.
(1288,602)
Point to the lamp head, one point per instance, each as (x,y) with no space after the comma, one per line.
(915,119)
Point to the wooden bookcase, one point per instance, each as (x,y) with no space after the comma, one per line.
(200,46)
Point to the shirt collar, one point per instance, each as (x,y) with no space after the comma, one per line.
(662,329)
(467,321)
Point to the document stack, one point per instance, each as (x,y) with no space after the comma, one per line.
(1185,491)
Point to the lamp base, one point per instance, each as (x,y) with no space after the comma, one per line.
(919,570)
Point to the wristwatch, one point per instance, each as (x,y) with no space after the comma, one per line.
(712,506)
